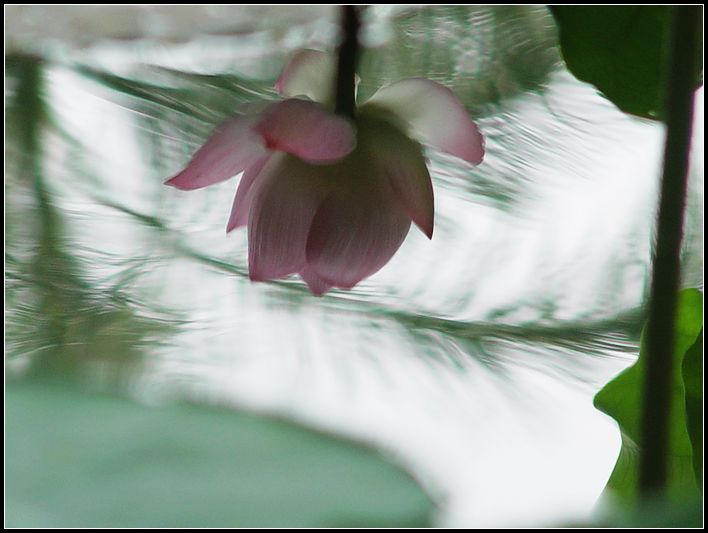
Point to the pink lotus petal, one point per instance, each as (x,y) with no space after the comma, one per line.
(231,148)
(434,115)
(403,163)
(286,198)
(309,73)
(244,195)
(354,237)
(307,130)
(317,285)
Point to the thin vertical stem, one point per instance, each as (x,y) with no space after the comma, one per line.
(656,396)
(347,57)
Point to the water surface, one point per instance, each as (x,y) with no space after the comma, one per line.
(470,360)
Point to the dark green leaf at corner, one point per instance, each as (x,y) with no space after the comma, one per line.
(85,460)
(693,380)
(621,399)
(622,51)
(687,513)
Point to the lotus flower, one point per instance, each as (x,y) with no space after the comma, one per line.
(323,197)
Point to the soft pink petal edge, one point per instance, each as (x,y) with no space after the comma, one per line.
(401,160)
(317,285)
(307,130)
(244,195)
(433,114)
(232,147)
(309,73)
(351,240)
(286,197)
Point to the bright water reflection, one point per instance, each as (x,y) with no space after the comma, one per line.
(471,360)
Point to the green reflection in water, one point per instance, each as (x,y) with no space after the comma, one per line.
(58,322)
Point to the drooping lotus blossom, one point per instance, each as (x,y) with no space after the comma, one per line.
(323,197)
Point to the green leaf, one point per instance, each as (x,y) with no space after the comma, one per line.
(621,399)
(83,460)
(621,50)
(655,514)
(693,380)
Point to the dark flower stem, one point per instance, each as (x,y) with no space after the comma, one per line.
(656,395)
(347,57)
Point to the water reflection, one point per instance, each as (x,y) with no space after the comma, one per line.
(471,359)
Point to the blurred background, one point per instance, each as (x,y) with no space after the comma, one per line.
(150,383)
